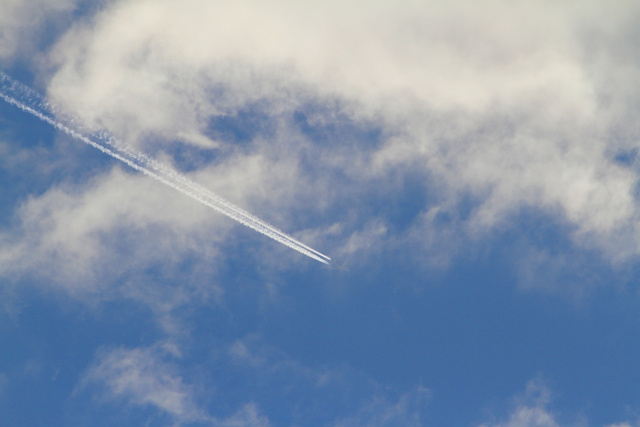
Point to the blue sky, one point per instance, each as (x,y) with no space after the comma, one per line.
(473,165)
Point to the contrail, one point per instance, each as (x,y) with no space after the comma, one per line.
(27,100)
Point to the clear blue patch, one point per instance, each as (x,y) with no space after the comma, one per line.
(627,158)
(240,128)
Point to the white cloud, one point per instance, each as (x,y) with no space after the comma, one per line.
(117,236)
(511,103)
(24,22)
(67,232)
(458,55)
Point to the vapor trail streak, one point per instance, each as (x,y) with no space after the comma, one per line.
(12,91)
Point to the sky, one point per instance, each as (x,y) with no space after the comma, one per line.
(472,164)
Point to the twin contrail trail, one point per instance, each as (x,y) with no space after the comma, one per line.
(27,100)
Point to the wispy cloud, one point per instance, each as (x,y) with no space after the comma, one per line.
(409,410)
(339,396)
(531,408)
(142,376)
(150,377)
(248,416)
